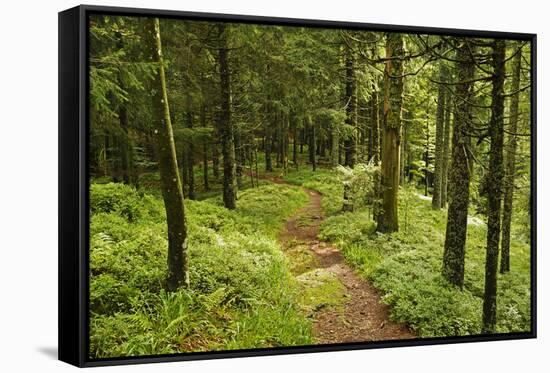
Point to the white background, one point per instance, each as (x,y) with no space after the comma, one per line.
(28,184)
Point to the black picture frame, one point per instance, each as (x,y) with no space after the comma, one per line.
(74,184)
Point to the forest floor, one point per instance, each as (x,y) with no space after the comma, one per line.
(358,315)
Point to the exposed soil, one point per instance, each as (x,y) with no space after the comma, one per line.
(362,317)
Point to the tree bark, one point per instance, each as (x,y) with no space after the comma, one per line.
(178,266)
(238,158)
(350,142)
(125,143)
(294,140)
(387,220)
(190,160)
(439,138)
(335,145)
(510,166)
(312,144)
(459,178)
(495,177)
(446,141)
(226,125)
(267,136)
(204,151)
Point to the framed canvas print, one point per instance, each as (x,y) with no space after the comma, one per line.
(236,186)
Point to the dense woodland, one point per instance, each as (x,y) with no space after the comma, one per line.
(206,138)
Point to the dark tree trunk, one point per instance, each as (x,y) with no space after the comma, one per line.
(427,153)
(238,159)
(184,171)
(204,151)
(294,141)
(405,148)
(190,161)
(302,140)
(446,142)
(312,144)
(178,274)
(350,143)
(375,139)
(277,140)
(494,188)
(226,125)
(439,138)
(510,166)
(335,145)
(459,177)
(387,220)
(375,127)
(215,159)
(125,143)
(267,137)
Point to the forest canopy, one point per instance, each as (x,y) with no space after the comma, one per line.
(262,185)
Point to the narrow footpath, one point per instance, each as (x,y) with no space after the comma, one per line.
(361,316)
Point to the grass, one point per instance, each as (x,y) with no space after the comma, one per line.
(242,293)
(406,265)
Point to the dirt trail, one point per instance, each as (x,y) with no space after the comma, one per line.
(362,317)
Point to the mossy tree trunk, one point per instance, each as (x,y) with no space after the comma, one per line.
(495,177)
(459,177)
(439,138)
(510,171)
(387,220)
(226,125)
(178,273)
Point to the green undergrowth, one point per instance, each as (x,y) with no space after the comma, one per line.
(406,266)
(242,293)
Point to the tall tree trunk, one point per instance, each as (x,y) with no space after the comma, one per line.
(387,220)
(459,177)
(238,158)
(267,136)
(277,140)
(190,160)
(494,187)
(204,151)
(439,135)
(215,153)
(184,171)
(294,140)
(178,266)
(510,165)
(427,152)
(446,142)
(312,144)
(335,145)
(226,125)
(350,142)
(125,148)
(375,136)
(405,148)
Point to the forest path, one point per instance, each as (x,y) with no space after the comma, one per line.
(358,316)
